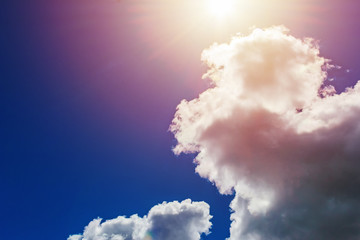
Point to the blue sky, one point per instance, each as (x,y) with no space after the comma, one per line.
(86,106)
(78,140)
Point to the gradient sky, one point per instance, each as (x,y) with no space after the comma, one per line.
(88,89)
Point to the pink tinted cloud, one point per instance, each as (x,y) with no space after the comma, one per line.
(271,132)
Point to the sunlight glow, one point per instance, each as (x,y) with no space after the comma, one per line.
(221,8)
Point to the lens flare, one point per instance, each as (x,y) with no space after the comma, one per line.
(148,236)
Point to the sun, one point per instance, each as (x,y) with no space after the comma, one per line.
(221,8)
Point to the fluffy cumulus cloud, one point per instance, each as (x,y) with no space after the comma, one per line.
(166,221)
(270,131)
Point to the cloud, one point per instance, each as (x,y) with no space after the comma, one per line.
(166,221)
(270,131)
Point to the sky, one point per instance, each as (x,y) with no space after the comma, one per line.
(169,119)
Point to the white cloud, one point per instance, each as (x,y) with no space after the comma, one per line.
(166,221)
(271,132)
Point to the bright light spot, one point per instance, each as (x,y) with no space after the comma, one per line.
(221,8)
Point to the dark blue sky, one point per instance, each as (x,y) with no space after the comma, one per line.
(85,115)
(78,138)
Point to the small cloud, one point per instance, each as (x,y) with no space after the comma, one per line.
(327,91)
(166,221)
